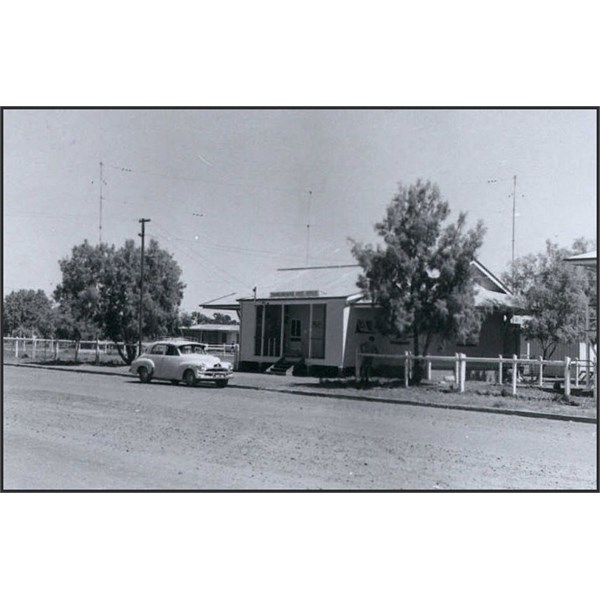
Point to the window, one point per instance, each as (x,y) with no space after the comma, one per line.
(158,349)
(296,329)
(364,326)
(172,351)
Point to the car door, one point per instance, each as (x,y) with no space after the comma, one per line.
(170,363)
(156,354)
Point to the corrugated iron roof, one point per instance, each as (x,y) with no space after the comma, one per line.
(310,282)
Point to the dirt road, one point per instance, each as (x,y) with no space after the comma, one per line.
(82,431)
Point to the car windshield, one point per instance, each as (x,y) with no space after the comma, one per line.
(191,349)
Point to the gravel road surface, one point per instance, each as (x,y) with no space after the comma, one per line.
(66,430)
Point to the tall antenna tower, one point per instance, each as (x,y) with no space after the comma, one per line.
(308,230)
(100,216)
(513,229)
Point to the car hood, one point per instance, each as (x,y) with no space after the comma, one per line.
(203,359)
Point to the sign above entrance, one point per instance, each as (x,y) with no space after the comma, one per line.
(298,294)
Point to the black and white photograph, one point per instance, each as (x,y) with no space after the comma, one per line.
(300,299)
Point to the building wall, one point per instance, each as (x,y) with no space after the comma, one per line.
(361,324)
(495,338)
(333,330)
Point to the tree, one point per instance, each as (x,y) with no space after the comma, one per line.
(28,312)
(421,277)
(101,285)
(555,294)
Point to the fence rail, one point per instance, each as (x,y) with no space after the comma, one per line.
(97,351)
(570,367)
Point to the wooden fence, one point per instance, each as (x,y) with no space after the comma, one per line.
(572,369)
(96,351)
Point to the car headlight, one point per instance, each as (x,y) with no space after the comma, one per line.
(201,368)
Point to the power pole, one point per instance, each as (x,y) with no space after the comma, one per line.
(513,230)
(143,222)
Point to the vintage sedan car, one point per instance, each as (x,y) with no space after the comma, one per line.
(180,360)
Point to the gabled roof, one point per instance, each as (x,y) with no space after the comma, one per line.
(334,281)
(587,259)
(211,327)
(340,281)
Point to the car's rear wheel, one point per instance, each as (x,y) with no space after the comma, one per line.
(222,383)
(144,375)
(189,378)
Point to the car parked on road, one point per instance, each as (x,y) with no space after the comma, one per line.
(180,360)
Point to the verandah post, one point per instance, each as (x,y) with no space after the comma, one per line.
(500,369)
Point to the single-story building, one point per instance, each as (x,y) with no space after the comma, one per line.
(319,316)
(212,334)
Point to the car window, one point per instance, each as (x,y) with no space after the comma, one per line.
(172,351)
(158,349)
(191,349)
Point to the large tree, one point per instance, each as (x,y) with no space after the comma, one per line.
(554,294)
(420,278)
(101,285)
(27,312)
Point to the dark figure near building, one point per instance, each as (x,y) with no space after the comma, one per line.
(366,365)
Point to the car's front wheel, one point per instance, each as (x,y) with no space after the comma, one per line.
(189,378)
(144,375)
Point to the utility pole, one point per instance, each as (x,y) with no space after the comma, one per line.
(143,222)
(513,230)
(100,217)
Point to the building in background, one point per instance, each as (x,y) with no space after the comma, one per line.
(212,334)
(317,318)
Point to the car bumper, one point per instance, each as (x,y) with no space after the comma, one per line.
(203,376)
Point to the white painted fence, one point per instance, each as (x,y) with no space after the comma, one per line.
(570,367)
(86,350)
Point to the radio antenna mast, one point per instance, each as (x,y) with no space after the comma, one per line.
(308,230)
(513,230)
(100,216)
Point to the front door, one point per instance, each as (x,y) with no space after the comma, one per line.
(296,330)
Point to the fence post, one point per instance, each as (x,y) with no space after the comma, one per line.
(577,373)
(77,342)
(357,365)
(514,375)
(33,348)
(97,360)
(541,382)
(406,368)
(457,368)
(462,372)
(428,370)
(567,376)
(595,377)
(56,349)
(500,369)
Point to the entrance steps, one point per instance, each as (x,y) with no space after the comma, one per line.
(284,366)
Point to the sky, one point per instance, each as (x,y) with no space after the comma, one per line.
(230,193)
